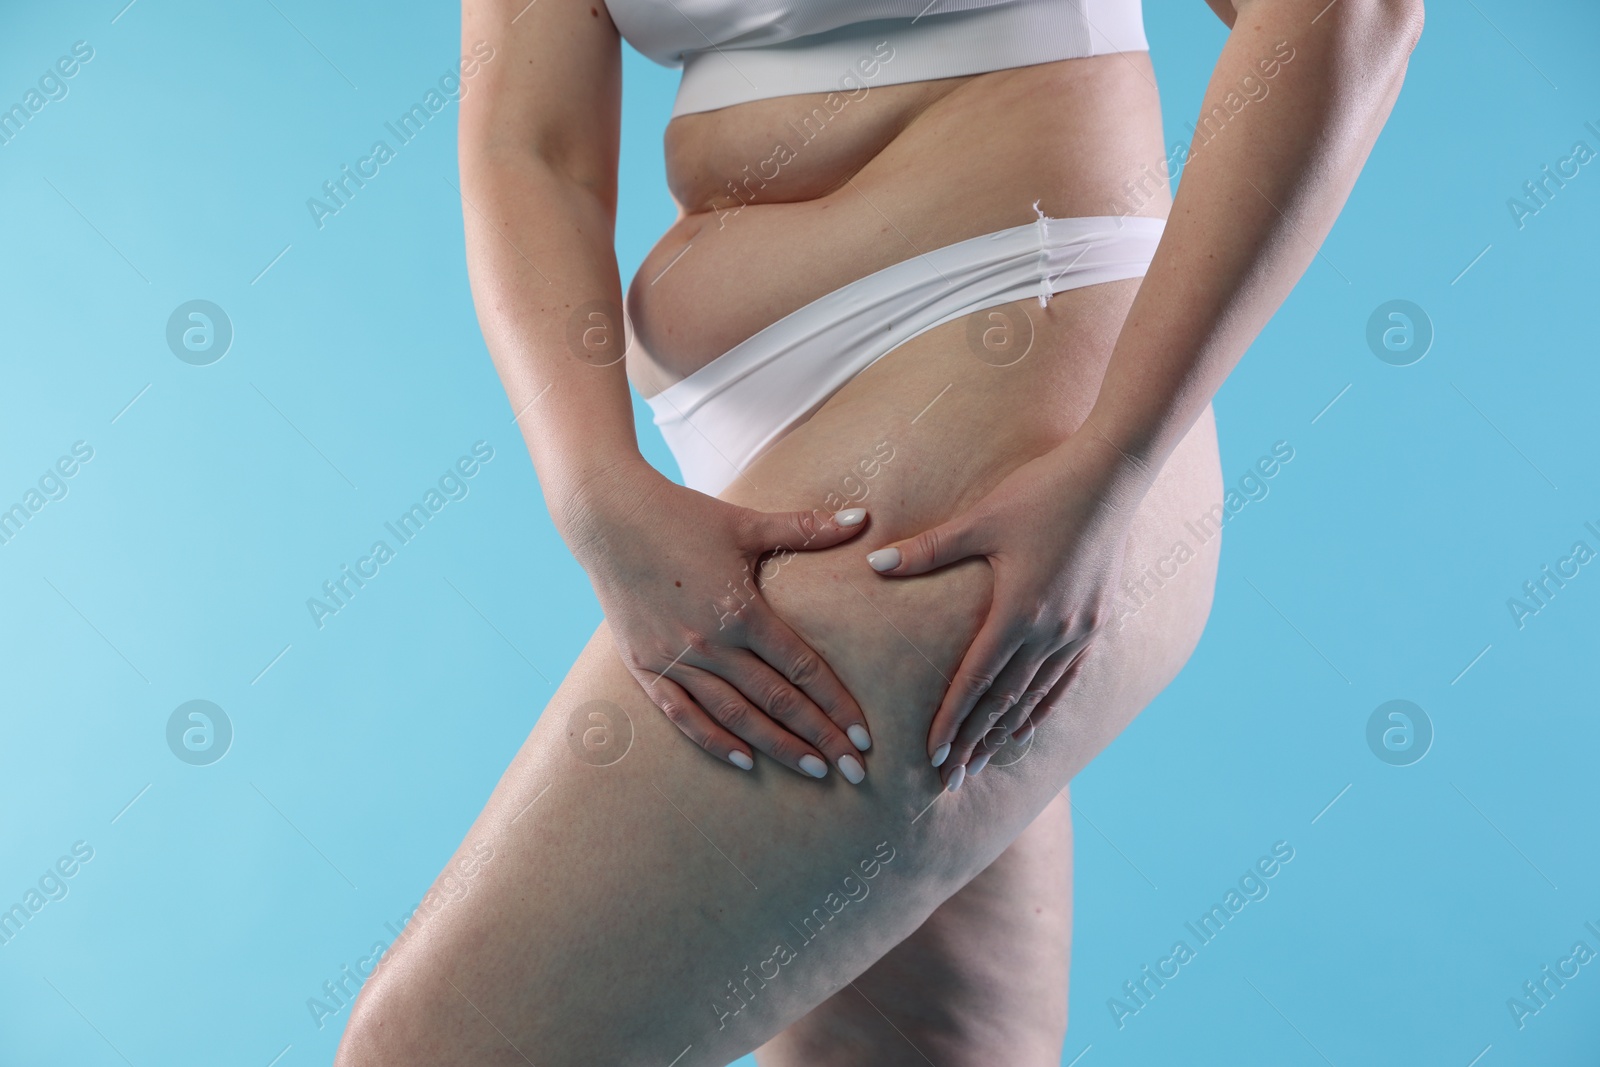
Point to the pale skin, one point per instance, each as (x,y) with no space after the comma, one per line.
(622,899)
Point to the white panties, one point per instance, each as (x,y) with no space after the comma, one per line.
(719,419)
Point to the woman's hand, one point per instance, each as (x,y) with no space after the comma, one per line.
(1054,531)
(676,573)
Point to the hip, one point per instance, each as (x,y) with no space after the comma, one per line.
(904,171)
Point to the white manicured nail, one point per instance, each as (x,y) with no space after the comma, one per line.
(813,766)
(939,755)
(741,761)
(957,776)
(849,516)
(851,768)
(979,762)
(885,559)
(859,737)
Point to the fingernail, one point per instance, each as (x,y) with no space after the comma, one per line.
(813,766)
(957,776)
(741,761)
(885,559)
(859,737)
(1027,732)
(979,762)
(940,754)
(850,767)
(849,517)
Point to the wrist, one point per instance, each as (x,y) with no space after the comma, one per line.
(585,499)
(1143,435)
(1122,474)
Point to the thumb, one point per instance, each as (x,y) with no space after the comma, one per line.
(803,530)
(929,550)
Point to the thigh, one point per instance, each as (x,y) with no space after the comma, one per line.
(982,981)
(665,907)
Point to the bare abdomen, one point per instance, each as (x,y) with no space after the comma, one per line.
(896,172)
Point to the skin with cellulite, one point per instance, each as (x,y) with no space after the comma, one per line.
(666,907)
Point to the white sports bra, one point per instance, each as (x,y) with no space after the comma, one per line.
(733,51)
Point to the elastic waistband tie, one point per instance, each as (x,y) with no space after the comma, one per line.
(1045,292)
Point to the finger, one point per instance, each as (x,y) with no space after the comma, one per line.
(1011,686)
(1052,699)
(989,652)
(1044,680)
(799,531)
(689,717)
(780,647)
(1040,689)
(790,708)
(729,707)
(931,549)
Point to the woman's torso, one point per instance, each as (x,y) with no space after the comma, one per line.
(786,199)
(901,170)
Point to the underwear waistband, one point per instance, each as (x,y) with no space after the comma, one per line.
(721,418)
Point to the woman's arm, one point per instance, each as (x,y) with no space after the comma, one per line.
(672,568)
(1259,193)
(1256,201)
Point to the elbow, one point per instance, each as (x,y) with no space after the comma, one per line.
(1404,21)
(1364,27)
(591,174)
(1369,41)
(1383,26)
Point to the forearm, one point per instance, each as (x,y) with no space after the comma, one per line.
(545,282)
(1259,193)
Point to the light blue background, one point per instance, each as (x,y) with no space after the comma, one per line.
(179,563)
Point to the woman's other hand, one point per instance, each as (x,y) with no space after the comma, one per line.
(1054,531)
(676,574)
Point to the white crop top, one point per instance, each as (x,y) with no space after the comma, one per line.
(733,51)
